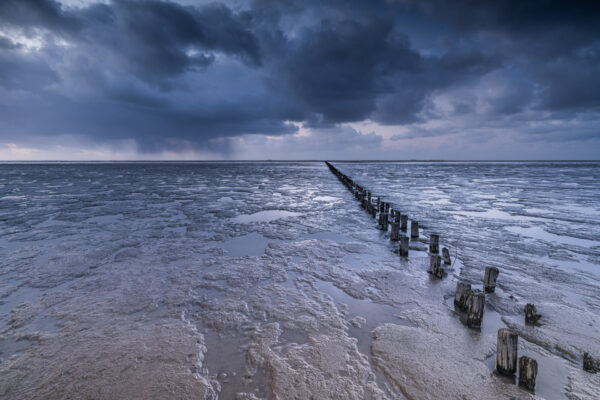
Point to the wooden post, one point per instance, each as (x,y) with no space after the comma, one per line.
(404,223)
(475,308)
(590,364)
(434,243)
(446,256)
(506,358)
(435,268)
(531,315)
(404,246)
(414,229)
(489,279)
(528,369)
(460,295)
(395,233)
(385,221)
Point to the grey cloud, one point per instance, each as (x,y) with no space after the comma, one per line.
(169,75)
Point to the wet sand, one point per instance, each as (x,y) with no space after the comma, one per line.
(261,281)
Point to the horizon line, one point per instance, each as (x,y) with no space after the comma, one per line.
(283,160)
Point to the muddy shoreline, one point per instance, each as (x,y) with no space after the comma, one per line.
(265,281)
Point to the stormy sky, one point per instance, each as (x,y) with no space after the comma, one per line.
(306,79)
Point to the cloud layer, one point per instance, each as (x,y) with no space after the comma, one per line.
(165,76)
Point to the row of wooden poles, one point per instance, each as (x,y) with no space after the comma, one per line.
(466,299)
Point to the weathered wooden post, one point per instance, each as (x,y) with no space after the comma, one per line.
(475,308)
(590,364)
(435,269)
(404,246)
(506,358)
(369,196)
(414,229)
(446,256)
(404,223)
(531,315)
(385,221)
(460,295)
(395,233)
(434,243)
(489,279)
(528,369)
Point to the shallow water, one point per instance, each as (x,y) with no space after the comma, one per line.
(205,280)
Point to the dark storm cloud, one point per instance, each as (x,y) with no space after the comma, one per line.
(20,71)
(7,44)
(30,14)
(167,74)
(339,68)
(556,42)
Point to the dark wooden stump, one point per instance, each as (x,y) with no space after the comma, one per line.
(461,294)
(446,256)
(381,212)
(475,308)
(590,364)
(395,233)
(414,229)
(404,223)
(506,358)
(385,221)
(435,266)
(531,315)
(434,243)
(404,246)
(489,279)
(528,370)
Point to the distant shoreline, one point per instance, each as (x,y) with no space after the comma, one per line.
(6,162)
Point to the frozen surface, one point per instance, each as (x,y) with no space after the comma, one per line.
(267,280)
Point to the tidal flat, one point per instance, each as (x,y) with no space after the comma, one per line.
(267,280)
